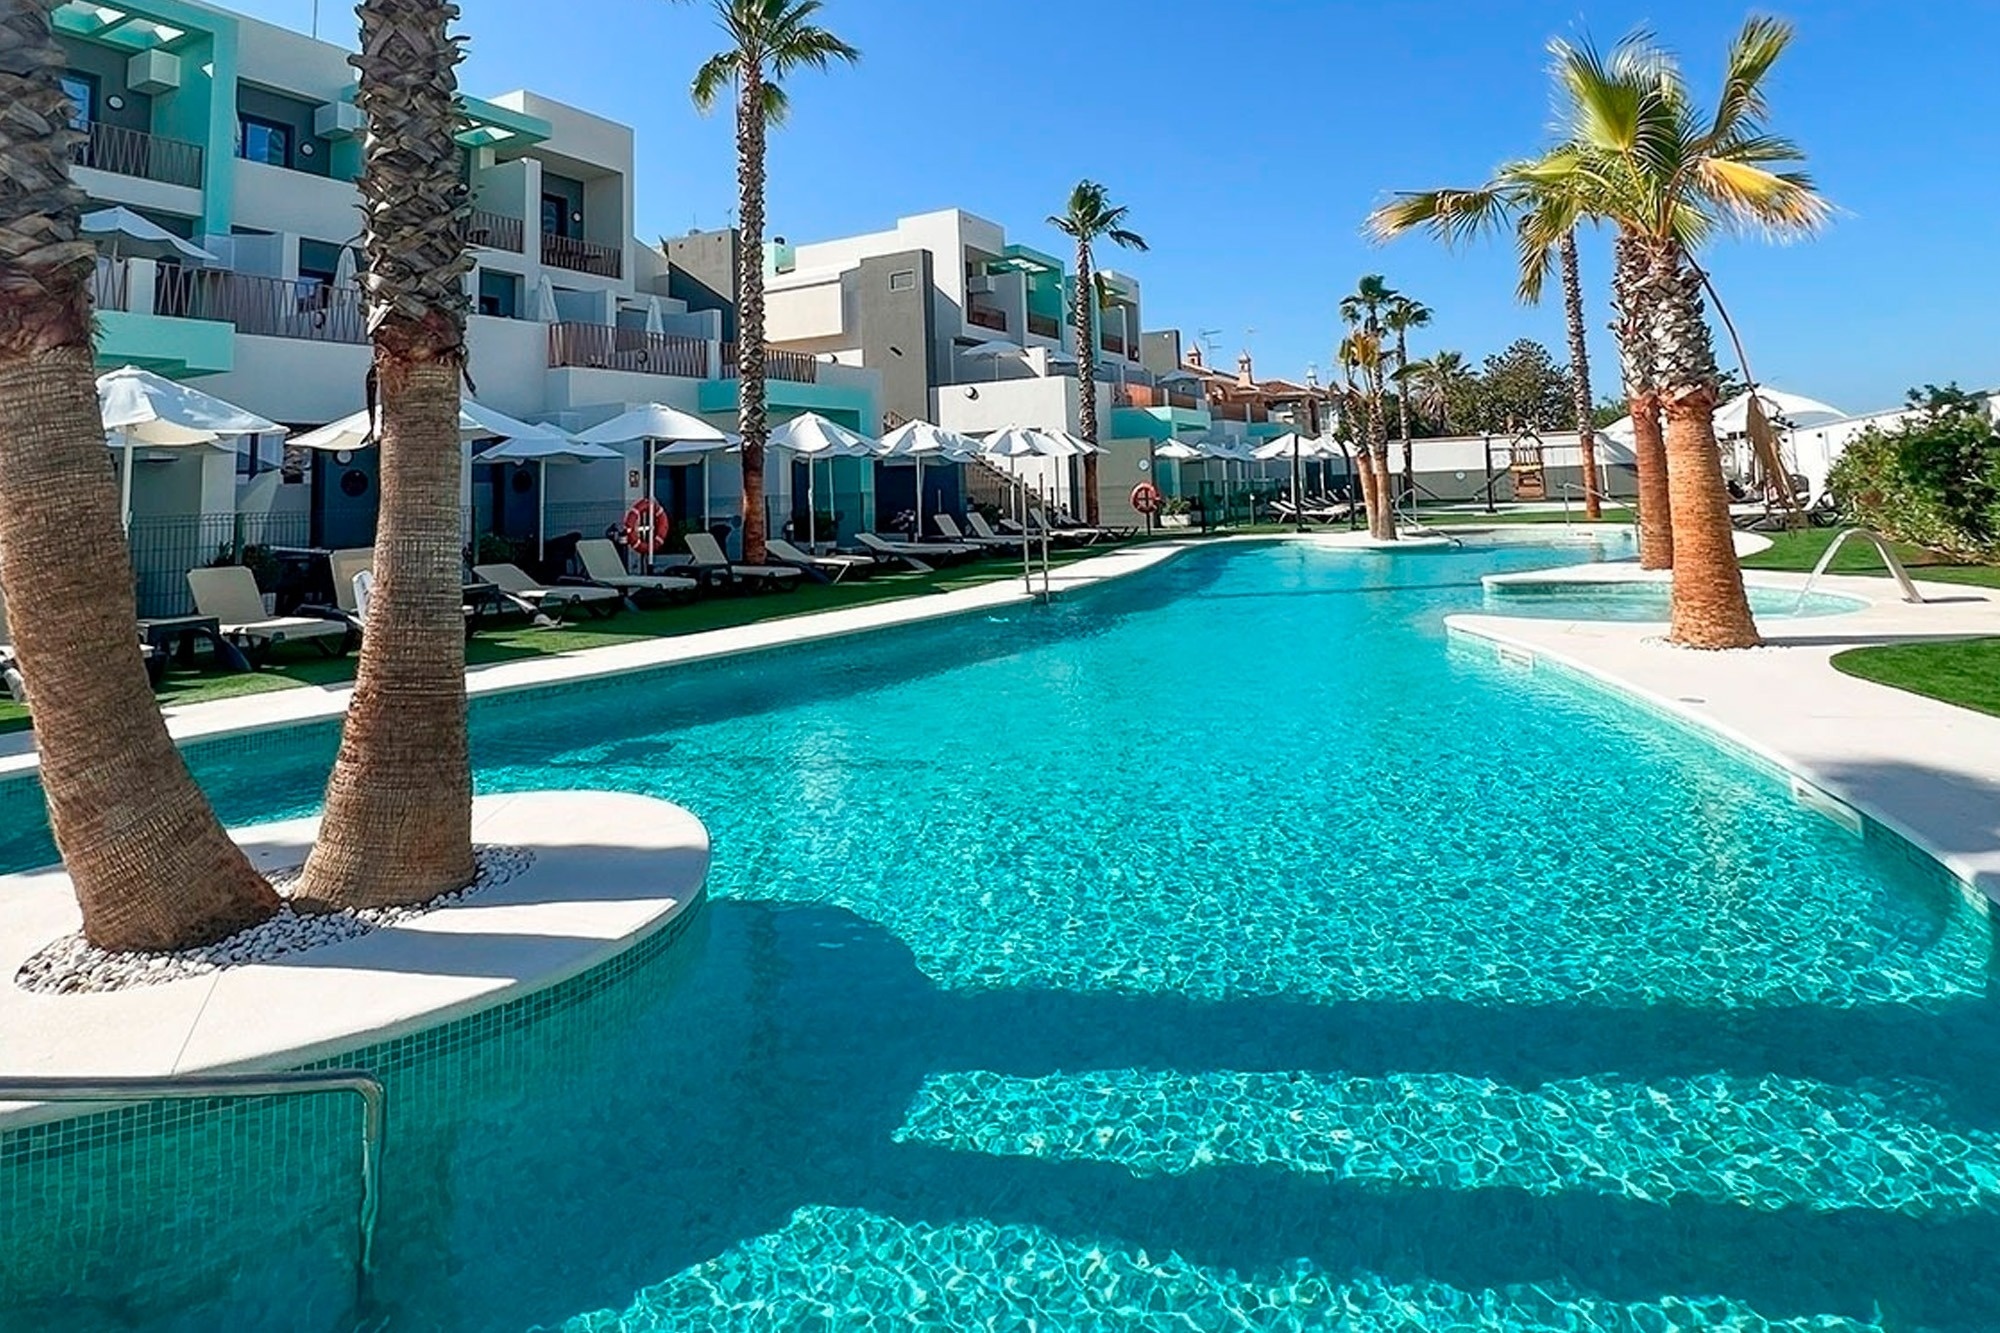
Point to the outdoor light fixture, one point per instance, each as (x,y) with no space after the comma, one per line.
(115,102)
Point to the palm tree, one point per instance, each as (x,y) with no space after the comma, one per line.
(1090,217)
(398,821)
(1363,310)
(1435,383)
(1548,216)
(1403,315)
(1668,174)
(152,868)
(769,39)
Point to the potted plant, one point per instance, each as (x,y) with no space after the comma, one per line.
(1177,512)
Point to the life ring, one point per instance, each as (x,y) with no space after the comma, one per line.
(1146,498)
(646,526)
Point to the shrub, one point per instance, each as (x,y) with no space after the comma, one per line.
(1933,480)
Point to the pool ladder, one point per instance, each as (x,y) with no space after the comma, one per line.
(202,1087)
(1882,548)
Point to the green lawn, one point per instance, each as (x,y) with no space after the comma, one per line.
(305,665)
(1966,673)
(1800,551)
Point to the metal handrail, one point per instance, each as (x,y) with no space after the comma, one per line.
(1570,487)
(1882,548)
(192,1087)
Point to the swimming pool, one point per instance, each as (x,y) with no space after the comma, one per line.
(1225,947)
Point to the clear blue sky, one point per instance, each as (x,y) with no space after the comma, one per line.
(1251,138)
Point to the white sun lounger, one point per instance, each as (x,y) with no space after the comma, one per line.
(710,560)
(601,565)
(912,554)
(948,525)
(514,581)
(228,595)
(831,568)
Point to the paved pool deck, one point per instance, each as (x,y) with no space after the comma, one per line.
(313,703)
(610,871)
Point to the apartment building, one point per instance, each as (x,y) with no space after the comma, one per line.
(244,138)
(966,328)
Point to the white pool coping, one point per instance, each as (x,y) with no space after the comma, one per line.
(610,870)
(275,709)
(1929,771)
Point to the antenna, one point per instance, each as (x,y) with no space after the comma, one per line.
(1207,338)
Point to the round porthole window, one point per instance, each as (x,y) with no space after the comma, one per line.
(354,483)
(524,481)
(343,456)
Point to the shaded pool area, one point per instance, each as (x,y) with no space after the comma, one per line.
(1219,948)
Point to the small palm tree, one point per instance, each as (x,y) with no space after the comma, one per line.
(1436,383)
(1363,309)
(1403,315)
(769,40)
(1547,213)
(152,868)
(398,820)
(1090,217)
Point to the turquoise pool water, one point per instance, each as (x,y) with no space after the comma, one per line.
(1649,601)
(1221,949)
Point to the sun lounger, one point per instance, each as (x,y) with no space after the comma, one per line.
(1075,534)
(16,684)
(513,581)
(981,528)
(602,566)
(913,554)
(712,563)
(227,594)
(948,526)
(825,568)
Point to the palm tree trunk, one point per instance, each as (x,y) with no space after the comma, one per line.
(1381,519)
(1649,451)
(398,821)
(752,415)
(1710,607)
(1579,360)
(1086,375)
(1403,414)
(151,866)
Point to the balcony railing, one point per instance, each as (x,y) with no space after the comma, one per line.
(986,318)
(495,231)
(796,367)
(604,261)
(150,157)
(1044,326)
(1158,395)
(1236,412)
(269,307)
(108,284)
(601,347)
(1113,342)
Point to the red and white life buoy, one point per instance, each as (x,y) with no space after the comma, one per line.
(646,527)
(1146,498)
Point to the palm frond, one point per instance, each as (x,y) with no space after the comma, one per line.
(716,75)
(1131,240)
(1452,215)
(1758,45)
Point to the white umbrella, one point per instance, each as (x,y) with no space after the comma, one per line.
(545,311)
(813,437)
(138,407)
(1180,451)
(135,237)
(656,318)
(920,440)
(992,350)
(656,424)
(1019,442)
(543,450)
(475,422)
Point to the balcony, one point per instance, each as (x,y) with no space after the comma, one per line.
(797,367)
(1237,412)
(1157,395)
(494,231)
(1044,326)
(986,318)
(124,152)
(604,261)
(110,284)
(267,307)
(1113,342)
(601,347)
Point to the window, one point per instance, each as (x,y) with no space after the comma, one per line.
(555,215)
(903,280)
(82,91)
(264,141)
